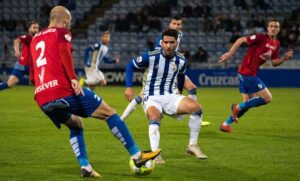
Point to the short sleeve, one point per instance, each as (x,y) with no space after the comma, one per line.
(64,36)
(183,68)
(252,39)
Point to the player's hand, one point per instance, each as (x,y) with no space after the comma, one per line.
(129,93)
(289,54)
(224,57)
(77,87)
(117,59)
(18,54)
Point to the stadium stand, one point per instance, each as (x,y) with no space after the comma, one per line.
(135,24)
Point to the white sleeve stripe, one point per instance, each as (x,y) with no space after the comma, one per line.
(136,65)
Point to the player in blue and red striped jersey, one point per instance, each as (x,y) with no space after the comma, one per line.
(262,47)
(62,99)
(22,65)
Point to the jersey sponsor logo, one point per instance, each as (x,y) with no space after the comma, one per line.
(270,46)
(45,86)
(252,37)
(68,37)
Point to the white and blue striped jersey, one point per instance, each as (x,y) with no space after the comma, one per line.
(94,54)
(162,72)
(158,41)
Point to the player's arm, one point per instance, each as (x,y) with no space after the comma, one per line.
(17,47)
(181,78)
(88,56)
(278,61)
(109,60)
(233,49)
(135,64)
(67,62)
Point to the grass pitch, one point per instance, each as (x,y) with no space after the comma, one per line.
(265,145)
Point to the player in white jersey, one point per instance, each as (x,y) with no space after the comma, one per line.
(160,90)
(93,56)
(175,23)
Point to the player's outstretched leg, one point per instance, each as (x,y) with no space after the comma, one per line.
(3,86)
(78,146)
(154,137)
(193,94)
(120,131)
(195,125)
(131,107)
(12,81)
(239,109)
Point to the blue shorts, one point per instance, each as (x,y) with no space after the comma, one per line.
(250,84)
(60,110)
(20,70)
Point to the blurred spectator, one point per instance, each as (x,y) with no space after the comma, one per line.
(69,4)
(11,25)
(198,10)
(150,43)
(208,25)
(260,24)
(45,8)
(200,56)
(241,3)
(261,4)
(121,23)
(187,11)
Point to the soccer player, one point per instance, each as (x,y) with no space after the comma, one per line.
(160,92)
(62,99)
(22,65)
(262,47)
(176,24)
(93,55)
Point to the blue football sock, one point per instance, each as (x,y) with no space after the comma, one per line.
(3,86)
(121,132)
(193,91)
(242,112)
(254,102)
(138,99)
(229,120)
(78,146)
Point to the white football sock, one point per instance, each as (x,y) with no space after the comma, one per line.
(193,96)
(154,136)
(129,109)
(194,125)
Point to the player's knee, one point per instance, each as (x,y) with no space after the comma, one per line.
(74,122)
(103,82)
(197,113)
(268,98)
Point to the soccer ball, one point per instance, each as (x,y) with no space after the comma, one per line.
(146,169)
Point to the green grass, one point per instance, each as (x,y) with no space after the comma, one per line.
(265,145)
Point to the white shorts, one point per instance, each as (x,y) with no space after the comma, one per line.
(166,104)
(93,76)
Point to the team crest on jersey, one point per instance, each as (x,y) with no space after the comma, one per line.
(174,66)
(68,37)
(252,37)
(139,59)
(260,86)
